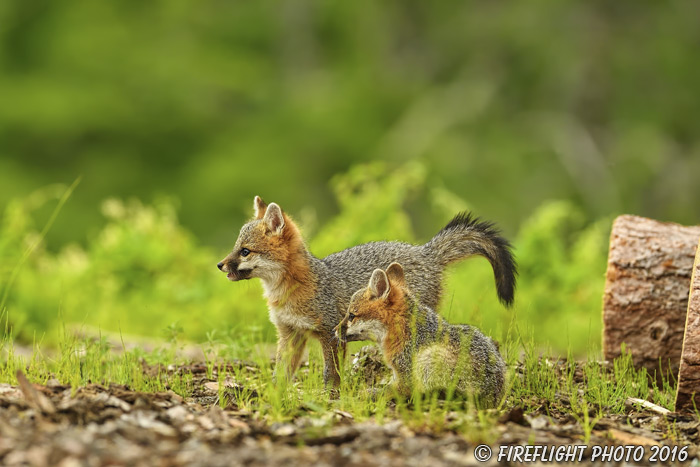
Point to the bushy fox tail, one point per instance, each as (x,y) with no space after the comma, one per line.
(465,236)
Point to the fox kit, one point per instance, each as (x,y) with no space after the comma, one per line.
(424,351)
(308,296)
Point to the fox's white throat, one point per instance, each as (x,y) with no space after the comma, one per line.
(283,313)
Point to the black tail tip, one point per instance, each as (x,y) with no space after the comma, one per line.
(507,298)
(506,276)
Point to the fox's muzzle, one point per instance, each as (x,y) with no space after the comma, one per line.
(227,265)
(354,335)
(350,334)
(232,272)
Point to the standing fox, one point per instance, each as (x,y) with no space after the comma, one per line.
(308,296)
(425,352)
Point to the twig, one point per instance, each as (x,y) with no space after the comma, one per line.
(647,405)
(34,397)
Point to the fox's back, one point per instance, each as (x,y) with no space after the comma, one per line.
(461,357)
(350,269)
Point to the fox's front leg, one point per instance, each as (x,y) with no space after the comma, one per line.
(290,347)
(402,386)
(403,375)
(331,362)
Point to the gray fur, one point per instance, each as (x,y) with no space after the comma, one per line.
(439,356)
(337,276)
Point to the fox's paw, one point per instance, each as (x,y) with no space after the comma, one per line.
(333,393)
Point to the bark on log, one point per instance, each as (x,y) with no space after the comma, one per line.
(688,391)
(646,291)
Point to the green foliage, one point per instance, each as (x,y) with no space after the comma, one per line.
(143,273)
(371,199)
(509,104)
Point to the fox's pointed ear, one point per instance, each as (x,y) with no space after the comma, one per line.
(395,274)
(379,284)
(274,219)
(259,206)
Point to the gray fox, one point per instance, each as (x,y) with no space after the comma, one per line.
(424,351)
(308,296)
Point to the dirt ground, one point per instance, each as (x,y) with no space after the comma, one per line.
(53,425)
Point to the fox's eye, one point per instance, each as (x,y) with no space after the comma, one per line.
(245,252)
(351,316)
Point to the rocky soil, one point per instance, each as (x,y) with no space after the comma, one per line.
(56,425)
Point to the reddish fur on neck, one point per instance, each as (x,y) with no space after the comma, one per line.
(396,320)
(298,285)
(392,313)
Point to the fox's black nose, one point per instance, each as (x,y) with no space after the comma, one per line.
(220,265)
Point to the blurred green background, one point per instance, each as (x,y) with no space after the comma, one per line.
(364,120)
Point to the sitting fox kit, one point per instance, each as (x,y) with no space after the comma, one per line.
(308,296)
(424,351)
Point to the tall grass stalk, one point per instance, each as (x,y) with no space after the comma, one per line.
(30,249)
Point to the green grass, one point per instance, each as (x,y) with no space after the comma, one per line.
(586,390)
(78,362)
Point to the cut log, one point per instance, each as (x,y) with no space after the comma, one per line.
(646,291)
(688,391)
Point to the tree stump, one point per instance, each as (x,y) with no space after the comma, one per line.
(688,391)
(646,291)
